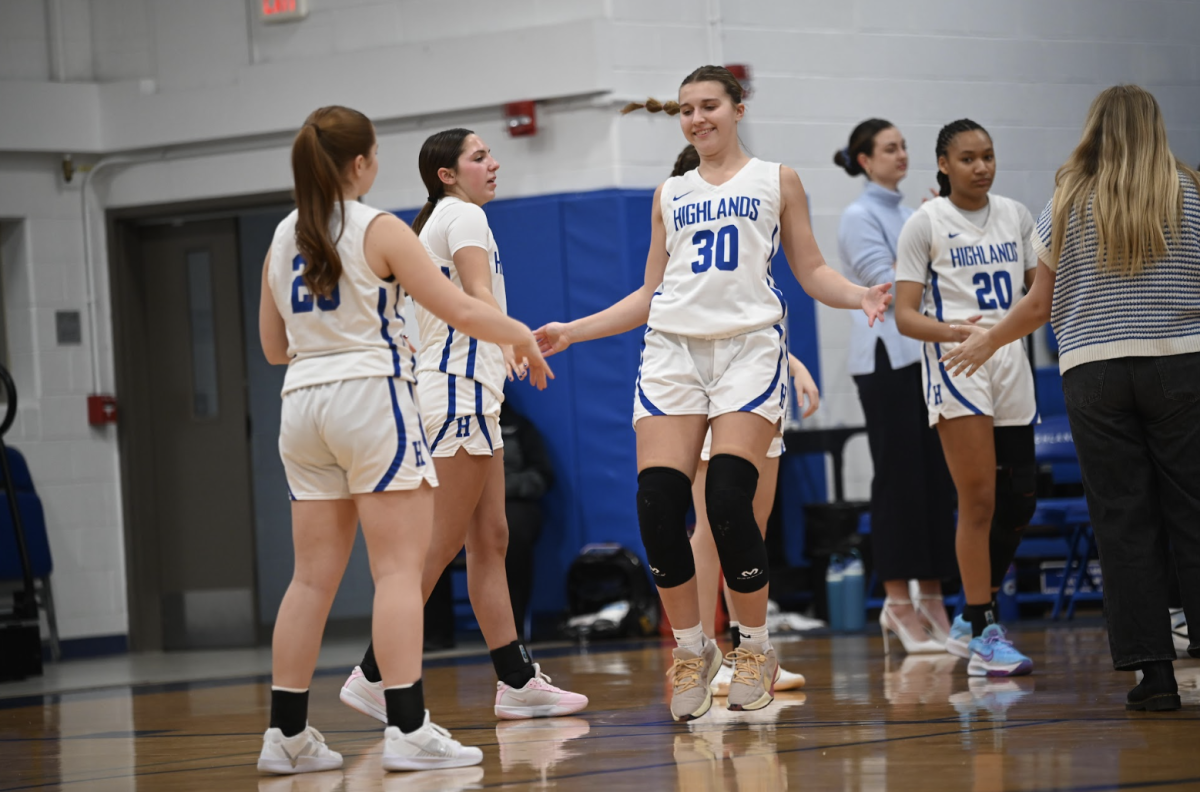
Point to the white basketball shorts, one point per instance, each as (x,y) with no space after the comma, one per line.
(682,375)
(459,413)
(353,436)
(1001,388)
(775,450)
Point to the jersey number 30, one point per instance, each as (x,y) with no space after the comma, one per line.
(302,300)
(721,246)
(998,282)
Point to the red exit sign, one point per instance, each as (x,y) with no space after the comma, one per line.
(282,10)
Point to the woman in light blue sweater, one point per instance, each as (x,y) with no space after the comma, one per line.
(912,516)
(1119,276)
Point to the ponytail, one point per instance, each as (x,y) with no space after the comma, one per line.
(652,105)
(327,144)
(944,139)
(688,159)
(440,150)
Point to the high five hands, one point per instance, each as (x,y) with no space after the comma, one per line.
(973,350)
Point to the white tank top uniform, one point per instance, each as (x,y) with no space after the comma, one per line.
(972,264)
(460,379)
(715,341)
(349,421)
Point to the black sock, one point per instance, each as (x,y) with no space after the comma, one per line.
(512,663)
(289,711)
(368,666)
(980,616)
(406,706)
(735,635)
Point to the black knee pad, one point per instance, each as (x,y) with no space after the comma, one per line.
(663,499)
(1016,495)
(729,494)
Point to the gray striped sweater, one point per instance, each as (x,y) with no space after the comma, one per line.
(1097,316)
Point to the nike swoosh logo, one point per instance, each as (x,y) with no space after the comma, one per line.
(954,235)
(677,197)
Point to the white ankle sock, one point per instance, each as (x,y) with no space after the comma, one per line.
(755,635)
(691,639)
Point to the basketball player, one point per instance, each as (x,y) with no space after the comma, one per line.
(714,354)
(704,549)
(460,384)
(962,257)
(350,433)
(708,565)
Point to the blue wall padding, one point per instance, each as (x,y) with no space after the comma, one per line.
(566,256)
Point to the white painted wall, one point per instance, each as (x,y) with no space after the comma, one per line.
(170,79)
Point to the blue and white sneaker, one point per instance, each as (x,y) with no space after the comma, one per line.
(960,638)
(993,655)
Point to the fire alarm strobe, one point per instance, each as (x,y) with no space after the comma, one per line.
(102,409)
(521,118)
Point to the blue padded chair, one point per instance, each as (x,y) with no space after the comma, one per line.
(33,520)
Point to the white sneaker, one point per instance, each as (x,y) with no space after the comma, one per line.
(538,699)
(305,752)
(366,697)
(428,748)
(788,680)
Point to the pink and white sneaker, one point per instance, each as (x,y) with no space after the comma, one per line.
(364,696)
(538,699)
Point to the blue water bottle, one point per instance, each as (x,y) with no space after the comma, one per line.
(835,587)
(854,616)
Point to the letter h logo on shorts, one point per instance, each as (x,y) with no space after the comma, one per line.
(418,458)
(937,394)
(464,426)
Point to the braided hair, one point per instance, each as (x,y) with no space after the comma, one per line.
(688,159)
(944,138)
(717,74)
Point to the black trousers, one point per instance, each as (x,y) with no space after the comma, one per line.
(912,494)
(1136,424)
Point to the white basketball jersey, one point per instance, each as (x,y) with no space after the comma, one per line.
(453,225)
(721,241)
(356,331)
(974,270)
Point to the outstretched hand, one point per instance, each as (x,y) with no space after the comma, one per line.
(876,301)
(805,385)
(529,358)
(974,349)
(512,368)
(552,338)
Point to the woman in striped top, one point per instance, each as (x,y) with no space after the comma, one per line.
(1119,276)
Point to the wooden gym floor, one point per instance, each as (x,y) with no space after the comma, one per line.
(862,724)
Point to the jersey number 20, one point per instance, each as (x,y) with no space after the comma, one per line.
(999,282)
(722,246)
(302,301)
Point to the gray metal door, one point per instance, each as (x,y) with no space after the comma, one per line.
(203,534)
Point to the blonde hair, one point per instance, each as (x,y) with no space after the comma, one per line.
(1124,174)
